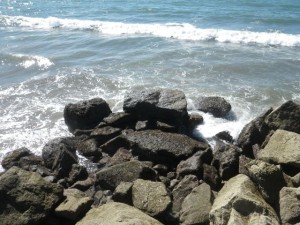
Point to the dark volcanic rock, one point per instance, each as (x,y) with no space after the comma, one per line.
(286,117)
(26,198)
(161,147)
(162,104)
(217,106)
(211,176)
(225,136)
(104,134)
(85,114)
(121,156)
(114,144)
(22,158)
(110,178)
(89,148)
(119,119)
(59,155)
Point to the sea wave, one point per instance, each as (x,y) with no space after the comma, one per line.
(182,31)
(33,60)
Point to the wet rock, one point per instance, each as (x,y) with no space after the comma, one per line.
(253,133)
(59,155)
(165,105)
(196,206)
(195,119)
(225,136)
(22,158)
(117,214)
(217,106)
(290,205)
(75,206)
(211,176)
(123,193)
(161,147)
(239,202)
(110,178)
(282,148)
(26,198)
(89,149)
(285,117)
(226,159)
(85,115)
(150,197)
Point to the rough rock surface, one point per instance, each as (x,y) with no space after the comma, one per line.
(162,147)
(290,205)
(26,198)
(123,193)
(162,104)
(75,205)
(282,148)
(150,197)
(117,214)
(89,148)
(196,206)
(85,114)
(217,106)
(285,117)
(211,176)
(192,165)
(239,202)
(111,177)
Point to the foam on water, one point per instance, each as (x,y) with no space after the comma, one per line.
(182,31)
(33,60)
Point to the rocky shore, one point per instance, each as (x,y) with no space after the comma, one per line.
(143,166)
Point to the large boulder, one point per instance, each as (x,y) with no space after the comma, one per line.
(290,205)
(217,106)
(150,197)
(286,117)
(117,214)
(192,165)
(85,114)
(110,178)
(160,104)
(161,147)
(26,198)
(239,202)
(59,155)
(196,206)
(75,206)
(282,148)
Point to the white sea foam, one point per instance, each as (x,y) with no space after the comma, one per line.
(33,60)
(182,31)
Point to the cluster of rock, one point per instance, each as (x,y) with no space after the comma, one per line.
(143,166)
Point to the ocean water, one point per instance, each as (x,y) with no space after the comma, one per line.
(56,52)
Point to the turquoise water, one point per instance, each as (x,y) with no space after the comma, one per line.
(56,52)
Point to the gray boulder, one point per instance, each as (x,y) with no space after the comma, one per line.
(192,165)
(165,105)
(105,134)
(239,202)
(118,119)
(161,147)
(150,197)
(196,206)
(123,193)
(117,214)
(282,148)
(89,148)
(85,114)
(26,198)
(217,106)
(211,176)
(110,178)
(290,205)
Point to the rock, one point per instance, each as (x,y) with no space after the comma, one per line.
(102,197)
(282,148)
(290,205)
(26,198)
(119,119)
(195,119)
(22,158)
(121,156)
(85,114)
(77,173)
(217,106)
(226,159)
(123,193)
(286,117)
(161,147)
(114,144)
(239,202)
(268,178)
(196,206)
(161,169)
(150,197)
(142,125)
(117,214)
(211,176)
(110,178)
(75,206)
(192,165)
(253,133)
(104,134)
(89,148)
(59,155)
(243,160)
(84,185)
(165,105)
(225,136)
(180,191)
(165,127)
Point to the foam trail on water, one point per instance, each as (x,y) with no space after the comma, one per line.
(33,60)
(182,31)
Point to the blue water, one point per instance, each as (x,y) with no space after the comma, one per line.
(56,52)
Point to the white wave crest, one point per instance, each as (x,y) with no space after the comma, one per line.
(182,31)
(31,60)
